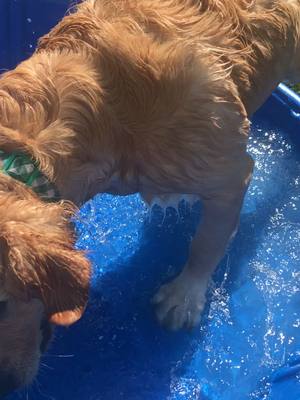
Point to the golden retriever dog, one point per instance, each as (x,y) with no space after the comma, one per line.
(125,96)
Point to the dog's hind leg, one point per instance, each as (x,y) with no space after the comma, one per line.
(180,303)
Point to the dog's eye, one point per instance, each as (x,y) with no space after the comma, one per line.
(3,307)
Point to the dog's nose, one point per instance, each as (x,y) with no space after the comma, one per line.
(8,383)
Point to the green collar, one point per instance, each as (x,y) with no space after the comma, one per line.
(23,168)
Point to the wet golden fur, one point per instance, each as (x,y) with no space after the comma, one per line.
(149,96)
(48,271)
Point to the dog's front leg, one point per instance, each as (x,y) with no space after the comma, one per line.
(180,303)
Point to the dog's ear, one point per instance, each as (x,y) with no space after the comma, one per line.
(40,261)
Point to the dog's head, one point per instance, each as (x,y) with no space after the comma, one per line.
(43,280)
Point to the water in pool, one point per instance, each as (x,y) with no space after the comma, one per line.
(247,346)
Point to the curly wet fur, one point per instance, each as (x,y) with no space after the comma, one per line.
(38,251)
(124,96)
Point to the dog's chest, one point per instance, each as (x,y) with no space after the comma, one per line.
(123,186)
(114,184)
(130,184)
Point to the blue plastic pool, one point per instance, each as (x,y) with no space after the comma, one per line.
(248,344)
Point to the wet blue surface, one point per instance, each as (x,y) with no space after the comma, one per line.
(248,344)
(22,22)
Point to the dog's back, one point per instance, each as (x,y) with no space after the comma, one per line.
(167,68)
(243,35)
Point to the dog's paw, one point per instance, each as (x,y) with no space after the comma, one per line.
(179,304)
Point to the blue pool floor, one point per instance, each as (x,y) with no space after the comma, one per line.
(248,344)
